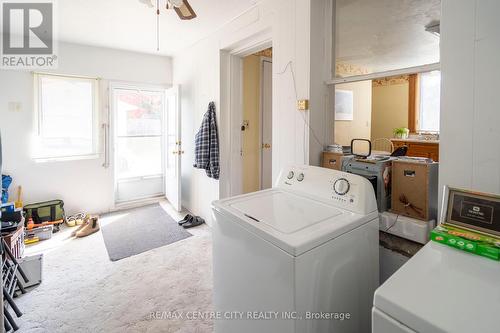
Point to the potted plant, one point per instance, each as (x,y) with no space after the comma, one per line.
(401,133)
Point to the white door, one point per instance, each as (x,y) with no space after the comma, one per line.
(267,124)
(173,147)
(138,129)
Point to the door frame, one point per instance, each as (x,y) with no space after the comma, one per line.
(261,115)
(177,204)
(112,131)
(231,111)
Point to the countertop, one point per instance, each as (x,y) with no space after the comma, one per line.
(423,141)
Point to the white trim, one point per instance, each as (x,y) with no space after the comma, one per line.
(67,75)
(66,158)
(38,116)
(396,72)
(253,46)
(138,86)
(138,178)
(224,123)
(121,205)
(231,109)
(236,119)
(173,185)
(261,116)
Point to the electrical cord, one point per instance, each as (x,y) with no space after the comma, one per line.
(157,25)
(392,225)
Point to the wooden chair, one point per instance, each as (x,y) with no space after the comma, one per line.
(383,144)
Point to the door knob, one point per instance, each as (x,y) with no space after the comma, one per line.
(266,145)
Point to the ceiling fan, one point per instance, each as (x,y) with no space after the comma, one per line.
(181,7)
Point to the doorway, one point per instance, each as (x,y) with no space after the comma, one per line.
(147,149)
(256,127)
(138,116)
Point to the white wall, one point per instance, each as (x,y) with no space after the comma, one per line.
(389,108)
(360,126)
(83,185)
(198,70)
(470,115)
(322,69)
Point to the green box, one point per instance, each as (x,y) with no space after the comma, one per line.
(467,241)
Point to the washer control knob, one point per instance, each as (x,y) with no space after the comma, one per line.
(290,175)
(341,186)
(300,177)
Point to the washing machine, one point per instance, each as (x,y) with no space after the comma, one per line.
(299,257)
(440,289)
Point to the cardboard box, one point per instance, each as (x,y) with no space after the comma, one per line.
(332,160)
(467,241)
(415,189)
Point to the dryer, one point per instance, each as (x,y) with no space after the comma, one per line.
(304,254)
(441,290)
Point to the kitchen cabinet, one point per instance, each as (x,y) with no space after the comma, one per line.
(419,148)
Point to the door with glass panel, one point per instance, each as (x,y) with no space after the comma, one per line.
(138,116)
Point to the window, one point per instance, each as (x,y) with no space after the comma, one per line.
(430,92)
(66,114)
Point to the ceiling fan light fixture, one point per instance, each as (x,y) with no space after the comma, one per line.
(176,3)
(185,11)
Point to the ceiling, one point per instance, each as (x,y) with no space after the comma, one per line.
(381,35)
(376,35)
(131,25)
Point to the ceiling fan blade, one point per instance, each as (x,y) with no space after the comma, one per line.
(185,11)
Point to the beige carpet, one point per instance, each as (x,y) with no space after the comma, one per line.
(83,291)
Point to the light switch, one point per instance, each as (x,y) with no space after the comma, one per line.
(15,106)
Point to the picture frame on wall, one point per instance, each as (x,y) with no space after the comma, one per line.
(344,105)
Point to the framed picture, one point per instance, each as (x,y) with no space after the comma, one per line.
(344,105)
(472,210)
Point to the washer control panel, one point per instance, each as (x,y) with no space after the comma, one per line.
(343,191)
(300,177)
(348,191)
(341,186)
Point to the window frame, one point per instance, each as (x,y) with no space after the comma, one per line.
(413,102)
(38,116)
(414,105)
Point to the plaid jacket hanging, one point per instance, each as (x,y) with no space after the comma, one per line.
(207,144)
